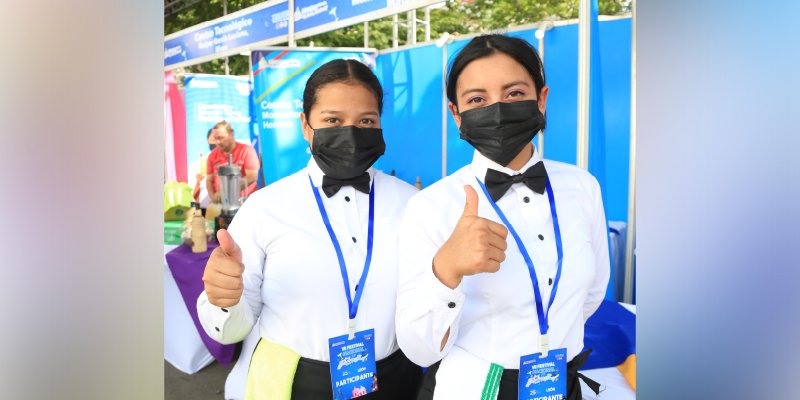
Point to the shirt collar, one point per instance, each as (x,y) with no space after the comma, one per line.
(316,173)
(481,163)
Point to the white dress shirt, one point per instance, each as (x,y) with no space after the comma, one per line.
(493,315)
(292,280)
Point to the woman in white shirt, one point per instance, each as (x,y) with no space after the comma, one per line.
(502,262)
(311,260)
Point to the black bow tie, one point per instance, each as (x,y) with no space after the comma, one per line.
(332,185)
(498,183)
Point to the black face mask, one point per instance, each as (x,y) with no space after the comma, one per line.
(348,151)
(211,147)
(500,131)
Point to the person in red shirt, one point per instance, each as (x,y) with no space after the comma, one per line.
(243,155)
(200,178)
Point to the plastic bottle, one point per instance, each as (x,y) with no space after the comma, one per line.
(190,214)
(199,239)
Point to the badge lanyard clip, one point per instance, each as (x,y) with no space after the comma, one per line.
(544,344)
(351,328)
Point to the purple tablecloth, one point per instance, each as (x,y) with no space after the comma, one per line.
(187,269)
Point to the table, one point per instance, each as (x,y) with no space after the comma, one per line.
(186,346)
(183,347)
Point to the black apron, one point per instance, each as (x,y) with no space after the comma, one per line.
(509,382)
(398,379)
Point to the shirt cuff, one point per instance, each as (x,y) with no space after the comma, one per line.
(224,324)
(446,305)
(442,296)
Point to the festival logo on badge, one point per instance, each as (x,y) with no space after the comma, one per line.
(536,379)
(345,361)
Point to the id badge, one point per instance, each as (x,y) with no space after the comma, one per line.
(353,370)
(543,378)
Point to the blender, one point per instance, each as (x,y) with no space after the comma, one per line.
(230,188)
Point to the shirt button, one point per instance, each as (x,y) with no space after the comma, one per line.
(526,199)
(354,239)
(224,310)
(451,305)
(541,237)
(550,281)
(216,328)
(346,198)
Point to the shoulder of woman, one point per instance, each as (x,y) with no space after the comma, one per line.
(442,193)
(572,175)
(285,188)
(394,185)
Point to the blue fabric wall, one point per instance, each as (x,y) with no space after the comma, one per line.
(412,113)
(413,105)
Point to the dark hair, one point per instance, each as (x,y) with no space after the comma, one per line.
(485,45)
(341,71)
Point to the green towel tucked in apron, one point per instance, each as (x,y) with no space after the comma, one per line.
(271,372)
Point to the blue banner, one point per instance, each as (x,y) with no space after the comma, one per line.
(312,13)
(279,78)
(210,99)
(263,24)
(235,32)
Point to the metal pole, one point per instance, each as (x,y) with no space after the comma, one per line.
(394,30)
(584,37)
(411,27)
(291,23)
(444,110)
(366,34)
(225,12)
(540,142)
(630,243)
(427,24)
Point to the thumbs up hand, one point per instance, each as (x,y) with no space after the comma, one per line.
(476,245)
(222,277)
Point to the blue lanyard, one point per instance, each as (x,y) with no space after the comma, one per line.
(543,325)
(352,303)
